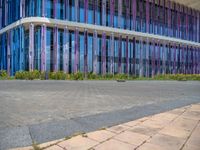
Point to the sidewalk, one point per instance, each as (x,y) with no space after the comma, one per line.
(178,129)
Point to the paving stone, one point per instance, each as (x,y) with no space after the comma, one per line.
(100,135)
(55,147)
(77,143)
(43,145)
(131,138)
(166,141)
(192,115)
(113,144)
(149,146)
(191,147)
(144,130)
(184,123)
(131,123)
(175,131)
(118,128)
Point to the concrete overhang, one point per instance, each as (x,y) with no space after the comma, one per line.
(195,4)
(62,24)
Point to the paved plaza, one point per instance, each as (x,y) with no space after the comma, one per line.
(178,129)
(42,111)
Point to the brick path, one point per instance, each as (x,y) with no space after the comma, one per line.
(178,129)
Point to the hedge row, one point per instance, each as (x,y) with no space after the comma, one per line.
(60,75)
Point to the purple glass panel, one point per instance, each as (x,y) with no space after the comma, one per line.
(112,54)
(147,16)
(147,57)
(163,58)
(127,58)
(95,6)
(141,57)
(54,8)
(86,11)
(127,14)
(198,26)
(134,14)
(31,47)
(103,58)
(85,51)
(104,12)
(120,54)
(43,8)
(55,48)
(153,59)
(76,51)
(119,13)
(77,10)
(43,48)
(66,9)
(134,59)
(112,4)
(95,52)
(158,60)
(8,52)
(174,62)
(66,51)
(169,18)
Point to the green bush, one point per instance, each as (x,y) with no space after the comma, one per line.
(60,75)
(3,74)
(77,76)
(92,76)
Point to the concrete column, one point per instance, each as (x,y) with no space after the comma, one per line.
(43,48)
(85,51)
(66,51)
(103,56)
(112,47)
(55,49)
(8,52)
(120,54)
(95,52)
(127,56)
(31,47)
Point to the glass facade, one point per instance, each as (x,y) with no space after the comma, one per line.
(53,48)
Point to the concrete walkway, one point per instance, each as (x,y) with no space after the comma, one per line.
(178,129)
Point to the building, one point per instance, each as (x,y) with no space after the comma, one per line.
(136,37)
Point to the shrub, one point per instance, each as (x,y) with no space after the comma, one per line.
(3,74)
(77,76)
(92,76)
